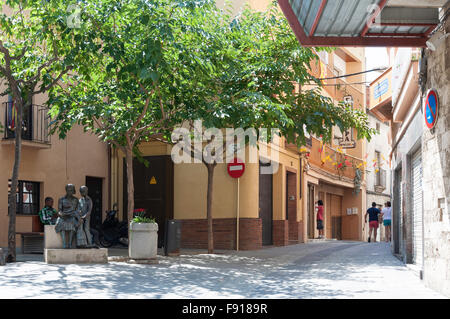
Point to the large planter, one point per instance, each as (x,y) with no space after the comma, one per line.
(143,240)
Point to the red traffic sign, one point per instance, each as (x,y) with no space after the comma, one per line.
(236,168)
(431,109)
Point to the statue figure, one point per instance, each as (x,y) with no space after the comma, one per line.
(84,237)
(69,216)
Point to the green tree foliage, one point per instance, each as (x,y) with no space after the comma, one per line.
(150,66)
(36,51)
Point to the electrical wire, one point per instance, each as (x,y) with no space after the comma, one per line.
(352,74)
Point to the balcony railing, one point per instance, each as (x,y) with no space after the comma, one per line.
(334,161)
(35,123)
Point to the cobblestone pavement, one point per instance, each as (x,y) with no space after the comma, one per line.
(331,269)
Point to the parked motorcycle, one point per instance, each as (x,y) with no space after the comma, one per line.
(112,231)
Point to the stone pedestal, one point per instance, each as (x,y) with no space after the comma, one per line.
(76,256)
(52,239)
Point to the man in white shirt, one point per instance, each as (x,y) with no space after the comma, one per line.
(386,212)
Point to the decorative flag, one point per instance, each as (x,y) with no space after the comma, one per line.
(12,116)
(322,153)
(322,70)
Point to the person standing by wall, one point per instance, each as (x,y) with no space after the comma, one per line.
(320,218)
(48,214)
(387,215)
(373,213)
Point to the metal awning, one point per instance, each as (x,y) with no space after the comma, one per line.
(362,22)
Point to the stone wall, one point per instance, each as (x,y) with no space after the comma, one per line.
(436,170)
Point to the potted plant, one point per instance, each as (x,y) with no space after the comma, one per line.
(143,237)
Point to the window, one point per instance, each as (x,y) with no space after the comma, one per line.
(378,127)
(380,174)
(27,197)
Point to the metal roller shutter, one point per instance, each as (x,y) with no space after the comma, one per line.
(416,176)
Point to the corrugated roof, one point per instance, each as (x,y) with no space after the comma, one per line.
(359,22)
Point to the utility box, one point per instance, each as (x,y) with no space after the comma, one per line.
(172,237)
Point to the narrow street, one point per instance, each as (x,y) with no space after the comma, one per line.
(318,270)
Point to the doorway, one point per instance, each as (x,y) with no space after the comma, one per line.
(153,190)
(291,204)
(336,216)
(311,211)
(396,211)
(266,205)
(95,192)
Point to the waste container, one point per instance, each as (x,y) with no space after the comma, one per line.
(172,237)
(2,257)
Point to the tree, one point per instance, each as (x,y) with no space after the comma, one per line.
(36,50)
(134,79)
(255,65)
(165,64)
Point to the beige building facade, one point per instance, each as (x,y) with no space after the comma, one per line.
(47,165)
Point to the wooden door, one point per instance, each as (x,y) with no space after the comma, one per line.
(311,211)
(153,189)
(336,217)
(328,220)
(265,206)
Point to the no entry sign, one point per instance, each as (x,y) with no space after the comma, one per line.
(236,168)
(431,109)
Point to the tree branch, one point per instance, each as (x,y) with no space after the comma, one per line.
(46,88)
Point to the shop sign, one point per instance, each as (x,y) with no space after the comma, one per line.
(347,139)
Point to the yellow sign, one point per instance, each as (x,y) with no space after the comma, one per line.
(153,180)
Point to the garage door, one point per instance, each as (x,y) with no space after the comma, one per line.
(416,176)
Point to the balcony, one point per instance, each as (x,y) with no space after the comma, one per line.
(333,161)
(380,181)
(35,124)
(380,96)
(340,89)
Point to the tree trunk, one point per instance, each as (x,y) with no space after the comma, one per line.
(14,182)
(130,182)
(209,198)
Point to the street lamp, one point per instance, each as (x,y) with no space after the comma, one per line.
(432,46)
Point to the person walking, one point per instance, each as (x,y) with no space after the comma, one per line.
(320,218)
(373,213)
(386,213)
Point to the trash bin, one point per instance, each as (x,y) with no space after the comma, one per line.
(2,257)
(172,237)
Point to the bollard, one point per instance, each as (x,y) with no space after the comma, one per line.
(2,257)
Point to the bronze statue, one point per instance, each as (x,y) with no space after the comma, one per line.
(84,237)
(69,216)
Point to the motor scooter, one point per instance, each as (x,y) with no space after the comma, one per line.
(112,231)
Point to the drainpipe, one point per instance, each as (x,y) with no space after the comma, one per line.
(109,176)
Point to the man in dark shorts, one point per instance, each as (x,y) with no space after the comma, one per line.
(373,213)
